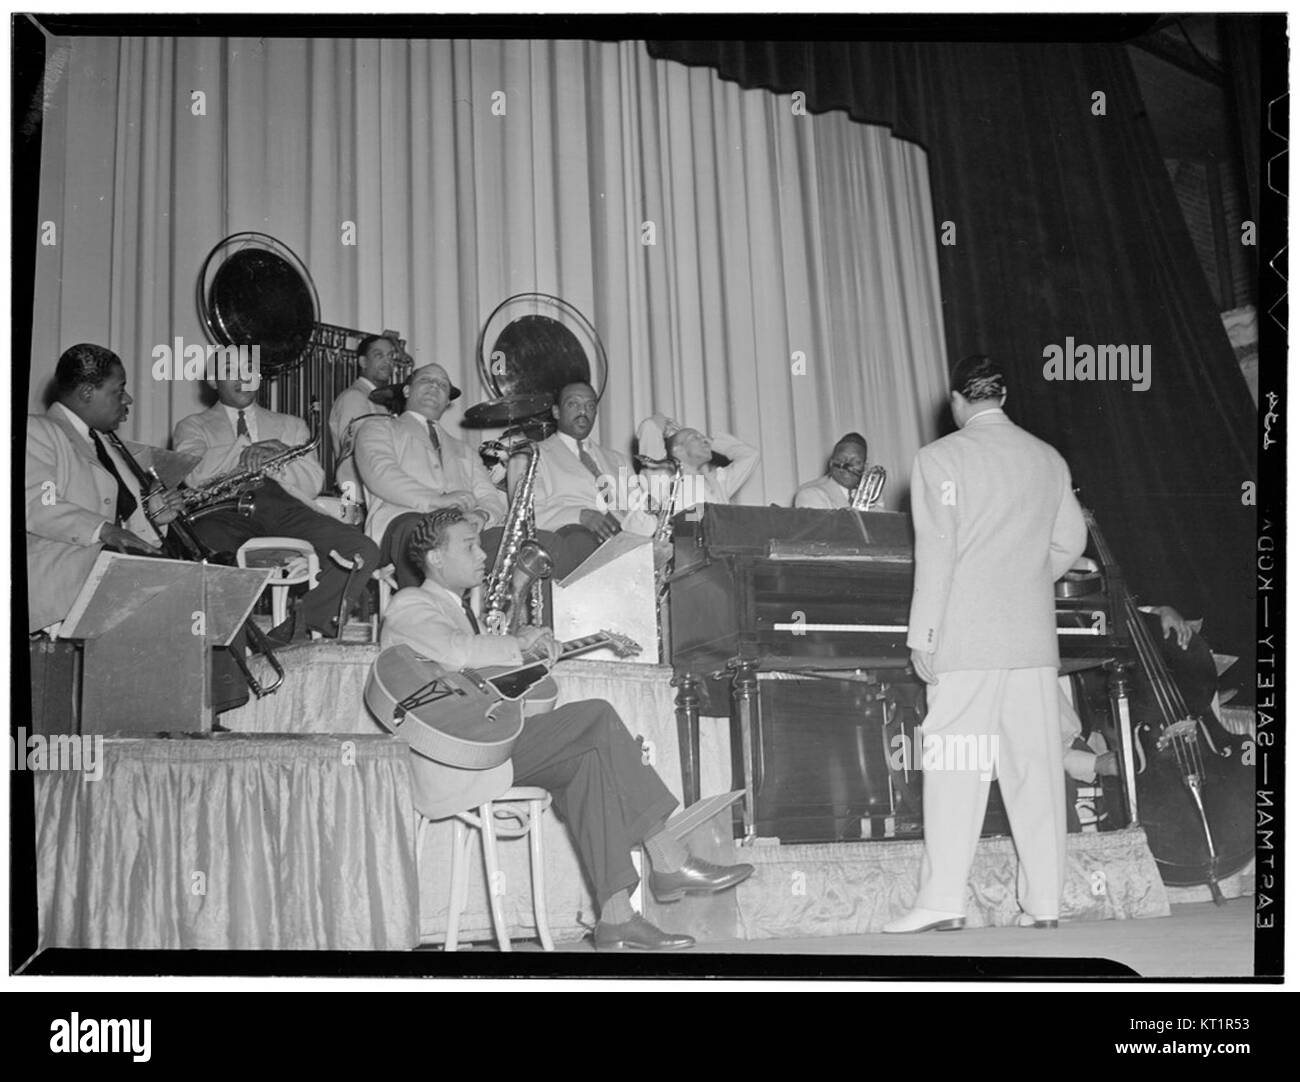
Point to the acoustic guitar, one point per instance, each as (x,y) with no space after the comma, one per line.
(468,718)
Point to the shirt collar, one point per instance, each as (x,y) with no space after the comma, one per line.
(418,416)
(76,422)
(993,413)
(436,589)
(368,382)
(572,444)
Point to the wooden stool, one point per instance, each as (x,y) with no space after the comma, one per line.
(515,813)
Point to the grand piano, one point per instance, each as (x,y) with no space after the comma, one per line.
(799,617)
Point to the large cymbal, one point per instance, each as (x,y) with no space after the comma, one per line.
(390,397)
(508,410)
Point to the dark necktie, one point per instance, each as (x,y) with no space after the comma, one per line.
(126,503)
(241,426)
(588,461)
(469,611)
(433,439)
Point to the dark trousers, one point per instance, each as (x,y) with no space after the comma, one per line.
(278,514)
(583,755)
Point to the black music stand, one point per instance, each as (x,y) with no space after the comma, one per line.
(149,626)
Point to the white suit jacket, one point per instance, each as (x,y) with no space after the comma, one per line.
(824,492)
(401,471)
(211,434)
(566,488)
(353,404)
(712,486)
(69,497)
(430,618)
(996,525)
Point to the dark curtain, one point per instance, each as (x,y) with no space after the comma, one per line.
(1066,225)
(1239,37)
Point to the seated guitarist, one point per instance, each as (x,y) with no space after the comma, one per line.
(581,753)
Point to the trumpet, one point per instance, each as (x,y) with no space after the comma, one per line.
(870,486)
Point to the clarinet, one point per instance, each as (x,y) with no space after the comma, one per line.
(196,551)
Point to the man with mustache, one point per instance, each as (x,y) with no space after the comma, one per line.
(80,496)
(238,434)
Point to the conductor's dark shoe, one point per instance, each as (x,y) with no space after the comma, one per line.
(697,877)
(638,934)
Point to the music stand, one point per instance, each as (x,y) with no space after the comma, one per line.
(614,589)
(149,626)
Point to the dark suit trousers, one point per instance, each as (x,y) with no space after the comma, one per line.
(278,514)
(583,755)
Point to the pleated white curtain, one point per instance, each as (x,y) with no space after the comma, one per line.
(790,295)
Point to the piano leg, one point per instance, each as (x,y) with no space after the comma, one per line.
(1118,685)
(744,708)
(688,735)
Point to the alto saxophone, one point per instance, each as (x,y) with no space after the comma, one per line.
(869,489)
(506,602)
(235,491)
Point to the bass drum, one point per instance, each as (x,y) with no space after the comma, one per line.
(254,291)
(536,344)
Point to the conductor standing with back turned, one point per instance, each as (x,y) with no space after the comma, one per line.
(996,525)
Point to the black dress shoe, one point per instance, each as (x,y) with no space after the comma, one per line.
(697,877)
(638,934)
(289,633)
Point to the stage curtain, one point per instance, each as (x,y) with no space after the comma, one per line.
(790,293)
(1064,223)
(233,843)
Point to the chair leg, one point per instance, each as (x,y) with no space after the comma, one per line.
(537,855)
(494,884)
(279,605)
(459,878)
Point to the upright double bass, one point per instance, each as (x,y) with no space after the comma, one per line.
(1195,781)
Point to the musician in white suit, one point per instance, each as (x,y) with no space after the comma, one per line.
(835,488)
(413,464)
(353,408)
(80,496)
(585,493)
(703,480)
(238,434)
(582,753)
(997,524)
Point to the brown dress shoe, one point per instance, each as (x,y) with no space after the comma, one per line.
(638,934)
(697,877)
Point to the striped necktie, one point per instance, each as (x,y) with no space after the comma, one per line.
(588,461)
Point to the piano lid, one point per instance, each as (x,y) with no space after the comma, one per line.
(806,533)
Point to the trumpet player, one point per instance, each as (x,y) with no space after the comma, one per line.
(236,434)
(836,487)
(704,480)
(80,496)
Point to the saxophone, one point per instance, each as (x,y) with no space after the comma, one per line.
(506,602)
(235,491)
(869,489)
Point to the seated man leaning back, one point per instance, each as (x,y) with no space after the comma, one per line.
(581,753)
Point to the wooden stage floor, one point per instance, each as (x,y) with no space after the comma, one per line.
(1194,941)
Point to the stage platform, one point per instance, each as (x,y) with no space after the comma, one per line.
(296,831)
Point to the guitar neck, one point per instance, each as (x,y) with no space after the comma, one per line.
(578,647)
